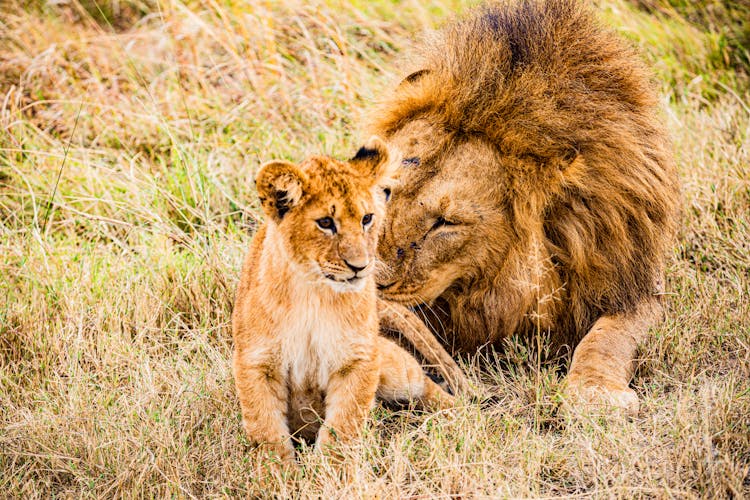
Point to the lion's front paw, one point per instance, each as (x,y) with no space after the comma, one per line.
(592,395)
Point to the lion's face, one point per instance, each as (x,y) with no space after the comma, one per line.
(328,214)
(445,221)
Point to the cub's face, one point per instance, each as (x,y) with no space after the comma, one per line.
(328,214)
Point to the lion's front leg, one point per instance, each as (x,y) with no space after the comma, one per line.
(398,318)
(603,361)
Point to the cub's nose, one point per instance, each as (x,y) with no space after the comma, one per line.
(356,266)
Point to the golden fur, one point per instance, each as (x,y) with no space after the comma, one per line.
(537,192)
(308,360)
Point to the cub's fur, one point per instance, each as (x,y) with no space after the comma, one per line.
(308,360)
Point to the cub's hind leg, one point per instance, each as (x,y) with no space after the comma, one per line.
(402,379)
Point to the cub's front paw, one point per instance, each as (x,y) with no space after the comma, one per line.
(274,465)
(327,439)
(588,395)
(276,455)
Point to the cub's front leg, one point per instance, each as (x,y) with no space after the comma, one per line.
(349,396)
(263,400)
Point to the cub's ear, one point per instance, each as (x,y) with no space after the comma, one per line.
(414,77)
(372,159)
(280,185)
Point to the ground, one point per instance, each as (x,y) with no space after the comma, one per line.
(130,131)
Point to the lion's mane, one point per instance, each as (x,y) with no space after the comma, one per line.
(546,84)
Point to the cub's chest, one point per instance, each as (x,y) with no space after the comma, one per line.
(317,341)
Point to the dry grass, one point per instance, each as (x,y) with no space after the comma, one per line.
(127,150)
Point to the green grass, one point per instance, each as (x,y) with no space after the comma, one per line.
(116,292)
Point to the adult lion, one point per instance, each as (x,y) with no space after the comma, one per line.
(537,192)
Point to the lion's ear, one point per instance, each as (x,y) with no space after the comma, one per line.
(280,185)
(372,159)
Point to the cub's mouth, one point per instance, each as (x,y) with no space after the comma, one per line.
(353,280)
(352,284)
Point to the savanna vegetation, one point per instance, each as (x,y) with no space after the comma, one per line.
(130,131)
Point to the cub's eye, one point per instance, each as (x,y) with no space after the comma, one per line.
(387,192)
(327,224)
(411,162)
(367,220)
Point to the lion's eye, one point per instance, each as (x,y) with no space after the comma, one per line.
(327,224)
(440,222)
(387,192)
(411,162)
(366,220)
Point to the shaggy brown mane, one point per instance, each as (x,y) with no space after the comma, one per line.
(547,86)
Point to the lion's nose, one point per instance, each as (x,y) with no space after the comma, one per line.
(356,266)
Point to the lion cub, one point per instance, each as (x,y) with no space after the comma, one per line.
(308,360)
